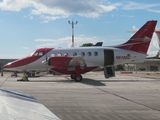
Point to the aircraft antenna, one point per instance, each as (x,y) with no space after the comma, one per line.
(72,23)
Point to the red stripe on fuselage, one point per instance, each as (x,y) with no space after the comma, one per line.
(28,60)
(22,62)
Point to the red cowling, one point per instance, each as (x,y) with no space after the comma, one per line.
(59,62)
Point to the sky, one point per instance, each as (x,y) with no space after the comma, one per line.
(26,25)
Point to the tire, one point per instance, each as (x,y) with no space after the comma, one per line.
(33,74)
(28,74)
(78,79)
(72,76)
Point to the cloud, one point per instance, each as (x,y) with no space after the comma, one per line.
(140,6)
(88,8)
(55,9)
(14,5)
(134,27)
(155,11)
(66,41)
(50,10)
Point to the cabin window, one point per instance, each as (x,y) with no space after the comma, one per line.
(95,53)
(53,55)
(74,54)
(59,54)
(66,54)
(83,54)
(40,54)
(89,53)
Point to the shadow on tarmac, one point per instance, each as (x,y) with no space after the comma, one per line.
(84,81)
(92,82)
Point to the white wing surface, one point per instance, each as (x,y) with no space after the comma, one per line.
(17,106)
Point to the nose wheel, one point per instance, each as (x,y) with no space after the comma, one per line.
(77,79)
(73,76)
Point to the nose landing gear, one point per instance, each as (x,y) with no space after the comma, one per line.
(77,79)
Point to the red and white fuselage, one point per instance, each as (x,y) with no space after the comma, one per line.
(76,61)
(93,57)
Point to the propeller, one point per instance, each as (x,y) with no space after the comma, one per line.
(47,67)
(46,61)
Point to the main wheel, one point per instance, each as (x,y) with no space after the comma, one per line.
(78,79)
(33,74)
(28,74)
(73,76)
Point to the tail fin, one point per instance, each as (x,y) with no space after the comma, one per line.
(98,44)
(140,41)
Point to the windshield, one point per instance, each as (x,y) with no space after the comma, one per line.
(32,54)
(36,54)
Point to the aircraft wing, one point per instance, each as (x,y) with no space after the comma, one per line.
(65,62)
(17,106)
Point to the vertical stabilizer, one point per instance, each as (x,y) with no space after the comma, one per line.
(140,41)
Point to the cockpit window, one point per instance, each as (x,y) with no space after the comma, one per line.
(35,54)
(31,54)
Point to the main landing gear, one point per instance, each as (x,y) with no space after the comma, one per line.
(77,79)
(30,74)
(77,75)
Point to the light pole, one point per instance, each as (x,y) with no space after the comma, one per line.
(72,31)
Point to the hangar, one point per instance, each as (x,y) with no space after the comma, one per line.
(150,64)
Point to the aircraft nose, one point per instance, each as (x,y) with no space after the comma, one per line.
(6,66)
(9,66)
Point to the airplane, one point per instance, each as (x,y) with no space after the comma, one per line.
(33,72)
(77,61)
(18,106)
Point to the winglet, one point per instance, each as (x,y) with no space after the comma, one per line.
(140,41)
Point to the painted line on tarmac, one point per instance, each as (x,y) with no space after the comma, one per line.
(122,97)
(4,81)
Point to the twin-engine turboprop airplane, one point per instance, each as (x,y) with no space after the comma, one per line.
(77,61)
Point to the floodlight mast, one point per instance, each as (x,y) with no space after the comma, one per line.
(72,31)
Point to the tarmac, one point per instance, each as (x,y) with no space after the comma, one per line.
(133,96)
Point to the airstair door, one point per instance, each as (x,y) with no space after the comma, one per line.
(109,63)
(108,57)
(109,71)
